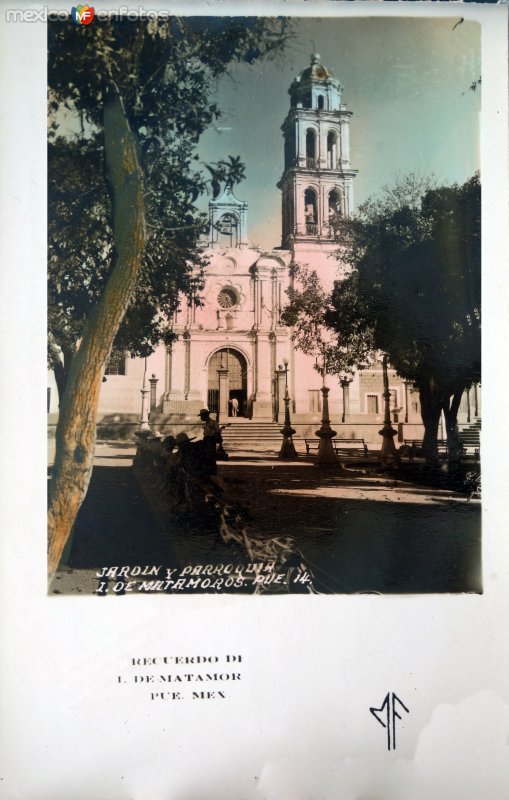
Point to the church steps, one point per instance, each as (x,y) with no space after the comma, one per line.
(252,435)
(470,435)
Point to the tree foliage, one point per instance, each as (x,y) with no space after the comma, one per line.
(165,73)
(415,288)
(413,291)
(123,221)
(416,284)
(309,313)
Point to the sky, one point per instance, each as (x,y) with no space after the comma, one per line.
(406,80)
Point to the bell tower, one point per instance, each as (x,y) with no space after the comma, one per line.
(227,220)
(318,179)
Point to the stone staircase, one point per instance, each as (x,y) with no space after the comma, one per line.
(247,434)
(470,436)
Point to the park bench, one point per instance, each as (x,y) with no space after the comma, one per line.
(415,447)
(344,447)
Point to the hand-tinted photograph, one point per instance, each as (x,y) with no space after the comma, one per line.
(264,305)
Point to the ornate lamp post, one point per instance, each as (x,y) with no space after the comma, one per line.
(288,450)
(345,382)
(144,425)
(326,455)
(388,453)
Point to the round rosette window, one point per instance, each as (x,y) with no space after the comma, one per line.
(227,297)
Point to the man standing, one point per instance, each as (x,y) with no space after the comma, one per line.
(235,406)
(211,437)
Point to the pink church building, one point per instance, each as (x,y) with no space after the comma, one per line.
(233,354)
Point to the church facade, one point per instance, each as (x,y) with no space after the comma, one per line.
(232,353)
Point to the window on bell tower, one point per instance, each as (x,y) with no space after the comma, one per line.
(310,148)
(311,212)
(227,227)
(320,102)
(332,150)
(334,203)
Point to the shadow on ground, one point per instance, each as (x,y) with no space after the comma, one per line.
(353,543)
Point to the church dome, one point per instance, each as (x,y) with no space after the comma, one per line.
(316,87)
(317,71)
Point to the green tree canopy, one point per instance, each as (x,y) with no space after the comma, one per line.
(165,73)
(415,289)
(123,221)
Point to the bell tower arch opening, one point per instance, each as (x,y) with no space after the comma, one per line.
(311,211)
(332,150)
(310,148)
(228,230)
(335,205)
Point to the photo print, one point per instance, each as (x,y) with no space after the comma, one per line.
(264,305)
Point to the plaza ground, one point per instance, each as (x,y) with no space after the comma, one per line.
(358,530)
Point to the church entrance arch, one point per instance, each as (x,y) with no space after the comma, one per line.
(227,381)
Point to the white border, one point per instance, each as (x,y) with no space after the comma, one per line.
(298,727)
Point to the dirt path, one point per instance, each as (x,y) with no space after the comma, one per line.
(359,531)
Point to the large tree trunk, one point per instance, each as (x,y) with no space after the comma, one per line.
(61,362)
(431,409)
(76,430)
(60,374)
(451,419)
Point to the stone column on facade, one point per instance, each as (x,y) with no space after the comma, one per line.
(467,391)
(274,303)
(262,405)
(273,381)
(174,378)
(168,366)
(301,143)
(222,413)
(407,385)
(323,219)
(280,381)
(192,395)
(187,362)
(153,392)
(322,148)
(345,386)
(261,301)
(345,141)
(253,336)
(255,289)
(300,220)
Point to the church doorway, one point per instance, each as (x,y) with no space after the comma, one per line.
(227,380)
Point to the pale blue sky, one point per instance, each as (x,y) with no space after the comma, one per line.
(405,79)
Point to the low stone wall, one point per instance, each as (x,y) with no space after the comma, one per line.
(123,427)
